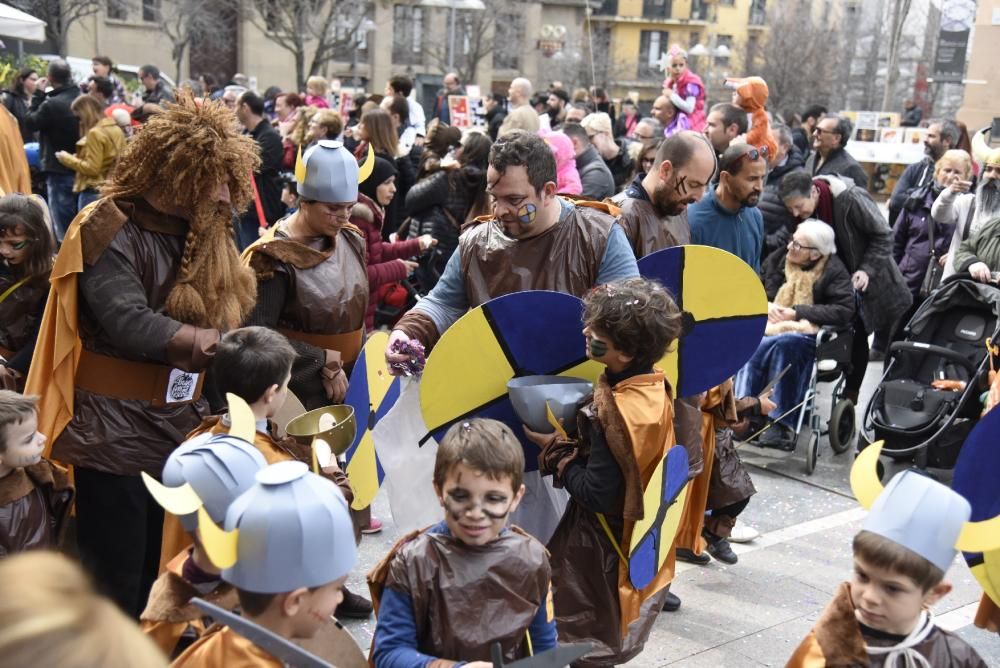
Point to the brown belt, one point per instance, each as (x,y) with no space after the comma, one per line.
(123,379)
(348,345)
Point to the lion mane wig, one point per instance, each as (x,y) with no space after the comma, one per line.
(184,155)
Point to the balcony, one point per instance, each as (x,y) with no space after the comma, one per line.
(607,8)
(656,9)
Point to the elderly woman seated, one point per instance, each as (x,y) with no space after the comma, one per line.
(808,287)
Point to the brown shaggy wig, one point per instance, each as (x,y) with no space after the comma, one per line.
(184,155)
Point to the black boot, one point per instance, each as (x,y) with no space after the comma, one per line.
(354,606)
(720,548)
(672,603)
(687,555)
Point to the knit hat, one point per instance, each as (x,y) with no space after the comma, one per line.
(381,173)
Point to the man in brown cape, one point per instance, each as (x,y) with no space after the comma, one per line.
(146,279)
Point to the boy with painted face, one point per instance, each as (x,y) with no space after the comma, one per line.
(624,432)
(35,494)
(882,616)
(424,616)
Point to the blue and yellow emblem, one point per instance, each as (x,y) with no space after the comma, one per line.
(725,313)
(372,392)
(536,332)
(663,503)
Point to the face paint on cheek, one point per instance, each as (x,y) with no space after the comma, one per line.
(456,510)
(597,348)
(526,214)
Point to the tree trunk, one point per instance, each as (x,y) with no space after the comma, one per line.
(300,68)
(898,12)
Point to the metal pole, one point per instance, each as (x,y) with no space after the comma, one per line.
(451,41)
(354,64)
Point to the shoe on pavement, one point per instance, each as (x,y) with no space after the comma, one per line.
(687,555)
(743,534)
(672,603)
(723,551)
(354,606)
(374,526)
(778,436)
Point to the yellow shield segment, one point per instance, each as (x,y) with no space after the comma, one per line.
(242,422)
(220,546)
(718,284)
(181,500)
(468,350)
(864,475)
(589,370)
(379,378)
(981,536)
(987,574)
(663,503)
(363,473)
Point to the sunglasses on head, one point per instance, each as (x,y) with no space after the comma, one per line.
(754,154)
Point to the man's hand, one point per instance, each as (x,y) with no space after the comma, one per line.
(981,272)
(860,280)
(427,241)
(335,385)
(390,357)
(943,260)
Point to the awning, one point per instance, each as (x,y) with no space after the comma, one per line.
(18,24)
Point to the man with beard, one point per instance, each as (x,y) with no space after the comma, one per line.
(864,245)
(557,103)
(533,241)
(975,248)
(654,217)
(727,216)
(942,135)
(146,279)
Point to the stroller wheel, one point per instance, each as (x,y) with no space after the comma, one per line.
(842,422)
(812,452)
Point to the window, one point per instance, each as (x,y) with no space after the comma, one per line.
(652,44)
(151,11)
(350,36)
(408,27)
(117,10)
(758,12)
(508,36)
(726,41)
(607,8)
(695,38)
(699,10)
(656,9)
(727,3)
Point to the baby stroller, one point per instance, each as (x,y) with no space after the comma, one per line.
(832,363)
(928,399)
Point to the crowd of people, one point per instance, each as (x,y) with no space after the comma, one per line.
(198,255)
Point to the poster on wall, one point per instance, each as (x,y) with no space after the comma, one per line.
(458,110)
(957,19)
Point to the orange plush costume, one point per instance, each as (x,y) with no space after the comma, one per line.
(753,93)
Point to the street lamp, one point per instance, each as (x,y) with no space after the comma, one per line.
(365,27)
(454,6)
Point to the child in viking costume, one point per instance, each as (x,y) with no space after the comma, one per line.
(210,472)
(255,365)
(625,433)
(146,279)
(312,273)
(35,494)
(287,548)
(424,615)
(906,545)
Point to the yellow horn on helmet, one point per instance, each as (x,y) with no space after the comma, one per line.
(220,546)
(242,422)
(368,166)
(865,482)
(181,500)
(300,167)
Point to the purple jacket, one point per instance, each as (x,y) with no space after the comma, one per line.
(911,244)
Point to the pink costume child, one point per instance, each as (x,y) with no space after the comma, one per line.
(685,88)
(567,178)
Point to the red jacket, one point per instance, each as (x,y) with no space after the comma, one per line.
(383,257)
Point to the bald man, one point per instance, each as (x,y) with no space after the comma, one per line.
(522,115)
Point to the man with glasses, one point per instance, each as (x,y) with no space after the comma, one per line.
(648,130)
(830,157)
(614,152)
(778,222)
(864,245)
(727,216)
(155,95)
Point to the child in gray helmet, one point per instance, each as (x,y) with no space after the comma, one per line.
(424,615)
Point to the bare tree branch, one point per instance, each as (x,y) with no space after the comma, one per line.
(58,15)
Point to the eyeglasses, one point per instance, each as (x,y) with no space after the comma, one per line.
(639,136)
(819,130)
(796,246)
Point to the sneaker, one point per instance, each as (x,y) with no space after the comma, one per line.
(743,534)
(672,603)
(374,526)
(723,551)
(778,436)
(354,606)
(687,555)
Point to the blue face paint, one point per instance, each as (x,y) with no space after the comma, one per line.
(526,214)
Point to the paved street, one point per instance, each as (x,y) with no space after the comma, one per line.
(755,613)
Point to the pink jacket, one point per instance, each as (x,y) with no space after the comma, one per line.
(567,178)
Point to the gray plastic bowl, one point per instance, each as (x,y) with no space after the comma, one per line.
(528,395)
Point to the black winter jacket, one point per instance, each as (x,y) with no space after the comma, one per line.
(833,294)
(58,129)
(779,224)
(839,163)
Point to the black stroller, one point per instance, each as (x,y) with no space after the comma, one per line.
(929,397)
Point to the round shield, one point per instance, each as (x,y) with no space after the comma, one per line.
(372,392)
(725,312)
(530,333)
(975,479)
